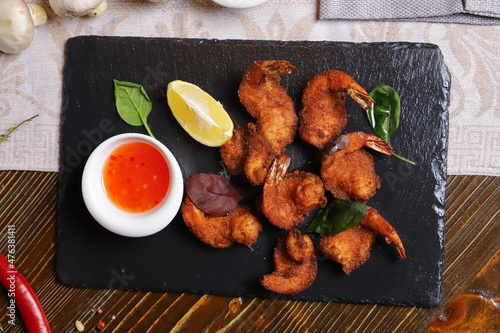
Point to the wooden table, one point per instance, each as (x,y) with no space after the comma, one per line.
(28,200)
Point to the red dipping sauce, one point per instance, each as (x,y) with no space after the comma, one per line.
(136,177)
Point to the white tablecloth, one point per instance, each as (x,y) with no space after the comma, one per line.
(31,82)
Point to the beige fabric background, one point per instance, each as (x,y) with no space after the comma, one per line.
(30,83)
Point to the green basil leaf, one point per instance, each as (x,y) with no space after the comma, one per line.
(133,104)
(385,113)
(337,216)
(319,224)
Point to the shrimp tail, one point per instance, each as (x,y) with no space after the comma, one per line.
(279,67)
(259,70)
(377,223)
(278,169)
(360,96)
(360,139)
(379,145)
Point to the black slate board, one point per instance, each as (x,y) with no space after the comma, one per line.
(411,198)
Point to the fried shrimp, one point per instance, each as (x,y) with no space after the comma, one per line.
(351,248)
(295,264)
(323,115)
(242,226)
(289,197)
(249,153)
(268,102)
(349,173)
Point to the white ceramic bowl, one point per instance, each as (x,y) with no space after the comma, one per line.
(108,214)
(239,3)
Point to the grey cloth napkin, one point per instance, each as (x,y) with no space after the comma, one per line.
(483,12)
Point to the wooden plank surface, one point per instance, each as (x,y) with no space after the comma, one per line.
(28,200)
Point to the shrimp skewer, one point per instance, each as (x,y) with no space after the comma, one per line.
(268,102)
(289,197)
(295,264)
(349,173)
(323,115)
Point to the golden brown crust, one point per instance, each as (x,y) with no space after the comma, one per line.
(259,159)
(290,276)
(249,153)
(268,102)
(350,177)
(299,248)
(350,248)
(234,151)
(349,174)
(242,226)
(289,197)
(323,115)
(245,226)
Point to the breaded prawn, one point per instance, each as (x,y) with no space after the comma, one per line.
(268,102)
(242,226)
(349,173)
(289,197)
(323,115)
(248,153)
(295,264)
(351,247)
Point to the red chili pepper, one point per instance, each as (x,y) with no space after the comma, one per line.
(101,325)
(25,299)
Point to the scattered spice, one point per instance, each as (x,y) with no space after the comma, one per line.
(101,325)
(93,309)
(113,317)
(79,326)
(99,310)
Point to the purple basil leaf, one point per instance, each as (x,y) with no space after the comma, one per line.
(213,194)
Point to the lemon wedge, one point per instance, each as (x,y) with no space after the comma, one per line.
(199,114)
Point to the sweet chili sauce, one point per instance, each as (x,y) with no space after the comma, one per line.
(136,177)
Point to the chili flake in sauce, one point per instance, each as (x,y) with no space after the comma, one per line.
(136,177)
